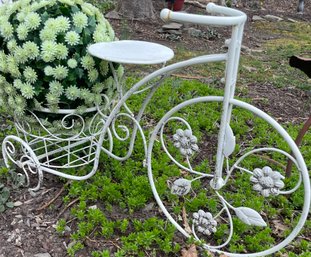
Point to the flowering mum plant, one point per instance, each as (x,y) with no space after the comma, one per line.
(43,56)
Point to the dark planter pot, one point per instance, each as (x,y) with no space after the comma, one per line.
(176,6)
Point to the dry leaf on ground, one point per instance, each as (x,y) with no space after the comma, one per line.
(191,252)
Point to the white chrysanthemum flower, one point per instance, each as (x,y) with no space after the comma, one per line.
(3,62)
(72,92)
(33,20)
(85,93)
(98,99)
(3,102)
(22,31)
(98,88)
(21,16)
(31,49)
(52,98)
(38,5)
(48,51)
(99,15)
(20,55)
(90,100)
(56,88)
(2,81)
(17,83)
(12,45)
(87,62)
(19,110)
(80,20)
(48,70)
(72,38)
(12,66)
(60,72)
(100,37)
(62,23)
(92,75)
(68,2)
(81,109)
(120,71)
(6,30)
(47,35)
(104,68)
(20,100)
(61,51)
(100,33)
(8,89)
(27,90)
(51,25)
(72,63)
(87,9)
(109,82)
(111,32)
(30,75)
(11,102)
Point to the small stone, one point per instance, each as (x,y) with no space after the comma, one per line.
(13,222)
(292,20)
(148,207)
(249,69)
(194,32)
(257,51)
(28,222)
(245,49)
(42,255)
(273,18)
(112,15)
(175,32)
(172,25)
(18,203)
(257,18)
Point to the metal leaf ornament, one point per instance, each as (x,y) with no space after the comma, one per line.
(229,143)
(250,216)
(181,187)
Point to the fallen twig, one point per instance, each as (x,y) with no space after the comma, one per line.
(271,160)
(53,199)
(185,220)
(67,206)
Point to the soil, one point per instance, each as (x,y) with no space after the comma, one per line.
(27,231)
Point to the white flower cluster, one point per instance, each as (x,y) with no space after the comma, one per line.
(43,58)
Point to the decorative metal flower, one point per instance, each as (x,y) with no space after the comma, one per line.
(205,222)
(185,141)
(266,181)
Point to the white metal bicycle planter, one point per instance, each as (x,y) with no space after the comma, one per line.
(42,153)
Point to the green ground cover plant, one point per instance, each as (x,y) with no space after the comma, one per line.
(116,207)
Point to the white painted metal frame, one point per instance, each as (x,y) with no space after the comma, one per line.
(41,152)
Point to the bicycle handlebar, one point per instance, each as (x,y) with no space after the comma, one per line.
(233,16)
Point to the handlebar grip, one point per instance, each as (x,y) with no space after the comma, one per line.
(213,8)
(234,17)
